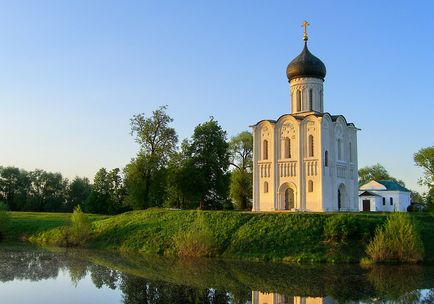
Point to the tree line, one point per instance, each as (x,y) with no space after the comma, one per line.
(206,171)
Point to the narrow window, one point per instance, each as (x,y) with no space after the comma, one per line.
(265,152)
(310,186)
(339,149)
(310,100)
(351,153)
(310,142)
(298,100)
(320,101)
(265,187)
(391,201)
(384,201)
(326,158)
(287,147)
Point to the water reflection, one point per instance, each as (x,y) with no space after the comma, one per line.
(155,280)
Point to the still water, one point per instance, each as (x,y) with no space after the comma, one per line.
(34,275)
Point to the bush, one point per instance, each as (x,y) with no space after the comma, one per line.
(79,232)
(397,241)
(340,228)
(198,241)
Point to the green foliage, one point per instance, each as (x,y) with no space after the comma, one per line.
(145,176)
(241,151)
(206,165)
(398,240)
(77,193)
(197,241)
(79,232)
(290,237)
(377,171)
(424,158)
(241,188)
(107,194)
(4,220)
(41,191)
(37,226)
(340,228)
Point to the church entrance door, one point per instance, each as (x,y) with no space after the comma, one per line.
(289,199)
(366,205)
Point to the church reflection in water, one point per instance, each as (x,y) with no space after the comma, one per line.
(275,298)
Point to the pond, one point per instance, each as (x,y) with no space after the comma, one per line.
(35,275)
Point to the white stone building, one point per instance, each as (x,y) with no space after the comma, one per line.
(305,160)
(383,196)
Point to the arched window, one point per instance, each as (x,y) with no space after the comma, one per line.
(351,153)
(298,100)
(339,149)
(326,158)
(287,147)
(321,101)
(310,143)
(265,187)
(265,148)
(310,100)
(310,186)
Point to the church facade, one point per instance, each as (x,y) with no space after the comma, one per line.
(305,160)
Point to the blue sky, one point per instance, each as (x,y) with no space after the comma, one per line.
(72,74)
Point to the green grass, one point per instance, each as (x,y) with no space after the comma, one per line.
(290,237)
(24,224)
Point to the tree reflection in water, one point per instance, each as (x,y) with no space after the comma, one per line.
(160,280)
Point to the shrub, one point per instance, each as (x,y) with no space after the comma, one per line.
(197,241)
(397,241)
(340,228)
(79,232)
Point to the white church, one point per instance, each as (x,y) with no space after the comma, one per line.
(305,160)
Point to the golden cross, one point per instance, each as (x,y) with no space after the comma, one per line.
(305,25)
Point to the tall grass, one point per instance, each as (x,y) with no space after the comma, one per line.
(197,241)
(79,232)
(397,241)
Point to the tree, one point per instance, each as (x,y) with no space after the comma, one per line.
(47,191)
(78,191)
(241,151)
(107,194)
(424,158)
(205,172)
(241,154)
(157,143)
(377,171)
(241,188)
(14,187)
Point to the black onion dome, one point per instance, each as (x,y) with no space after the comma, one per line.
(306,65)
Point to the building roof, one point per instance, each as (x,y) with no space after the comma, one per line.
(306,65)
(368,193)
(392,185)
(383,185)
(302,115)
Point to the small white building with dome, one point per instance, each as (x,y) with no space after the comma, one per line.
(305,160)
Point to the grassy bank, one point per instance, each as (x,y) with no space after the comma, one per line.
(291,237)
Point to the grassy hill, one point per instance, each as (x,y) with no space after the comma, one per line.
(290,237)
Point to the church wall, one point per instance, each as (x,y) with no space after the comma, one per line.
(265,187)
(312,171)
(328,172)
(288,164)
